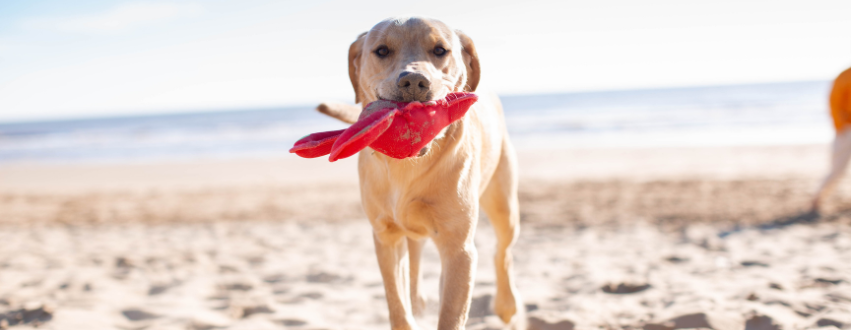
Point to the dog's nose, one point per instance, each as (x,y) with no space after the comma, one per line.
(414,86)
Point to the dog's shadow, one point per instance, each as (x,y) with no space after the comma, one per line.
(803,218)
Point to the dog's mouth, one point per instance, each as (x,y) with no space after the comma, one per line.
(399,97)
(401,100)
(424,151)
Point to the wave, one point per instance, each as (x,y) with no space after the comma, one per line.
(761,114)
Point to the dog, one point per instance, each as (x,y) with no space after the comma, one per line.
(436,195)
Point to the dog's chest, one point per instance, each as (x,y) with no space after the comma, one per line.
(411,212)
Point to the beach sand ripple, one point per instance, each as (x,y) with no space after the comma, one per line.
(648,239)
(324,275)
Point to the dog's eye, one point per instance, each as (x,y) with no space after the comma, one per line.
(382,51)
(439,51)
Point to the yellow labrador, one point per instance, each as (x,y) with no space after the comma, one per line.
(436,195)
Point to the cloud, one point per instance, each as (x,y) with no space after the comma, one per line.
(119,18)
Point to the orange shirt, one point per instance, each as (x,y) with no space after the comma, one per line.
(840,101)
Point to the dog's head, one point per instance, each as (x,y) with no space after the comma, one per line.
(412,59)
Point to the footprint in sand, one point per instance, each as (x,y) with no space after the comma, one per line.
(277,278)
(541,322)
(302,297)
(291,322)
(481,306)
(246,311)
(825,322)
(697,320)
(236,287)
(676,259)
(715,321)
(134,314)
(312,295)
(625,288)
(161,288)
(281,290)
(751,263)
(323,277)
(761,322)
(34,317)
(833,281)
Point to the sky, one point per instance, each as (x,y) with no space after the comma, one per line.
(88,58)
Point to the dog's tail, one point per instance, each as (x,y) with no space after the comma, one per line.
(347,113)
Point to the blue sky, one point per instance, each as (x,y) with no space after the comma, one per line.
(64,59)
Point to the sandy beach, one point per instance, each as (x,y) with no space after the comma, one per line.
(665,238)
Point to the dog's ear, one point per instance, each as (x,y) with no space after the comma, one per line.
(471,61)
(354,65)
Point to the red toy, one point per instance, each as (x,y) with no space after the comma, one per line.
(396,129)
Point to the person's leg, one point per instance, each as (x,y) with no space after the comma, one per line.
(839,160)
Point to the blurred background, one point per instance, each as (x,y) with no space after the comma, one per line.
(107,80)
(145,180)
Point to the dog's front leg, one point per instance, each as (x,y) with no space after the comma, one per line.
(415,252)
(392,252)
(458,257)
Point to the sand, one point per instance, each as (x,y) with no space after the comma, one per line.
(612,238)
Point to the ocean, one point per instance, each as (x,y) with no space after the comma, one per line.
(735,115)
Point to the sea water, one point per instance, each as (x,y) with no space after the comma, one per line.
(737,115)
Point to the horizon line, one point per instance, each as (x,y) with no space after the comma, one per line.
(188,112)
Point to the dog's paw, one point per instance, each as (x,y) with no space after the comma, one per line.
(508,307)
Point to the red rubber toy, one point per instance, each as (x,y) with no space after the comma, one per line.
(396,129)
